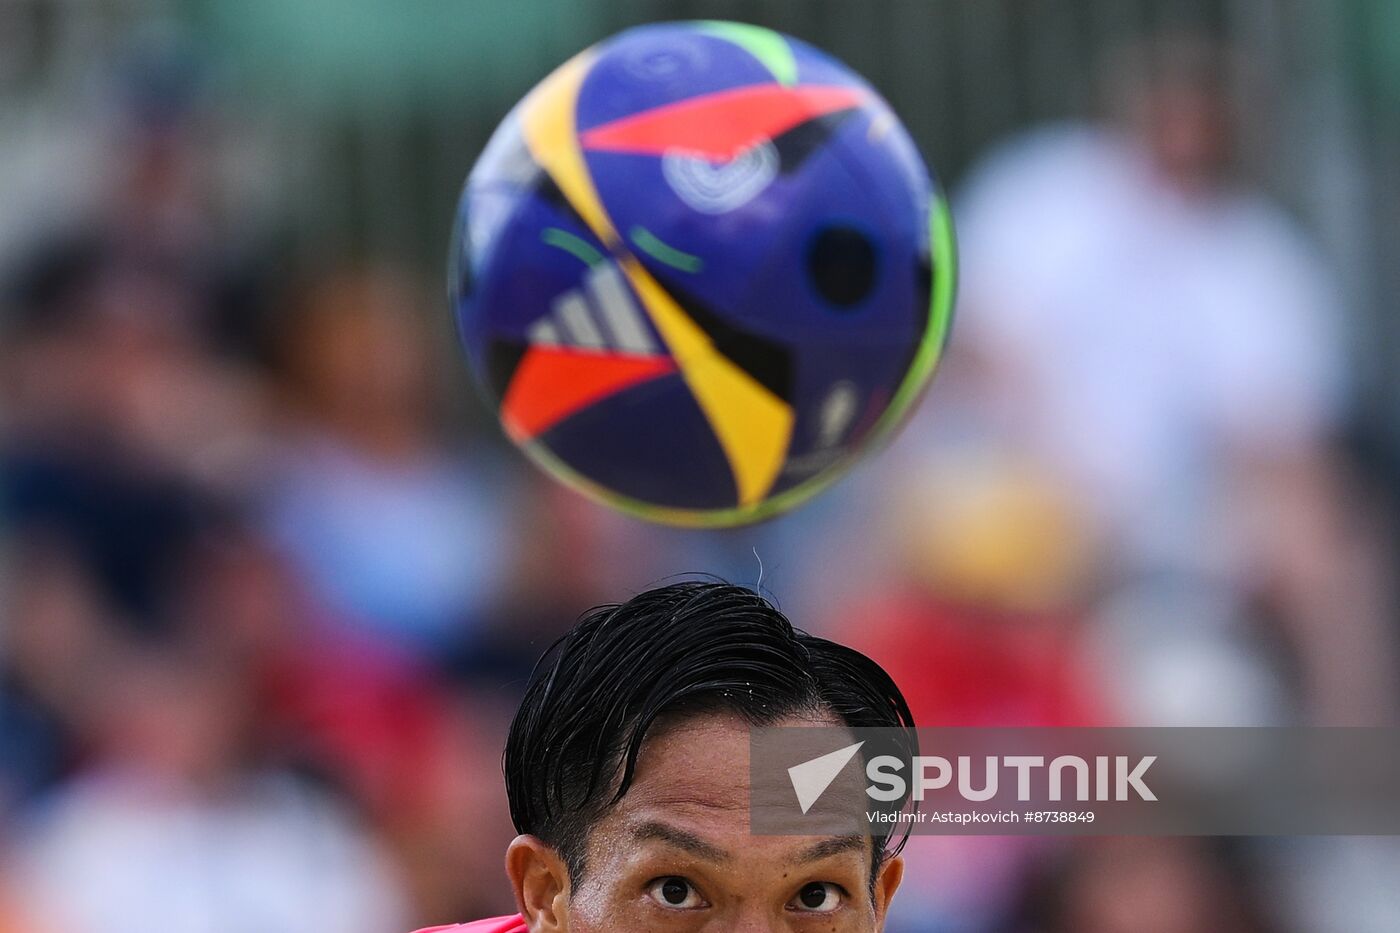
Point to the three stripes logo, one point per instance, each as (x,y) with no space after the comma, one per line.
(595,342)
(601,315)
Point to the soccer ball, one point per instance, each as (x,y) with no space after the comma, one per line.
(699,270)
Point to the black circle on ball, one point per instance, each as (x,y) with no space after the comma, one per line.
(841,262)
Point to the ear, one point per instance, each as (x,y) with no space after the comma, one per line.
(541,882)
(886,883)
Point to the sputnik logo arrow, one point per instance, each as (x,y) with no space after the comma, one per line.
(811,778)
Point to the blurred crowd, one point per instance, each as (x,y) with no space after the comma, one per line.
(267,600)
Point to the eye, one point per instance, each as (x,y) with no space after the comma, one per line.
(819,897)
(676,893)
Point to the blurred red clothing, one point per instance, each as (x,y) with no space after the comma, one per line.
(514,924)
(374,717)
(969,666)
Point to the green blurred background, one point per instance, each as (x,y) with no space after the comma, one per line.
(370,113)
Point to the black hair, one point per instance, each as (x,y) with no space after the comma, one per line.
(683,649)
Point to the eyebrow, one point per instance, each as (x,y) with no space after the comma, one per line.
(681,839)
(836,845)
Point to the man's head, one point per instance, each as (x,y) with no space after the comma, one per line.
(1177,94)
(627,768)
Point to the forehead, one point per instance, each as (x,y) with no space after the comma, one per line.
(693,775)
(699,763)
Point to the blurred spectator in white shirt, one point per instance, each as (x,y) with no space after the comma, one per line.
(1170,343)
(1150,318)
(173,828)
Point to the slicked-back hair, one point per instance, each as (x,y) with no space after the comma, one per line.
(684,649)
